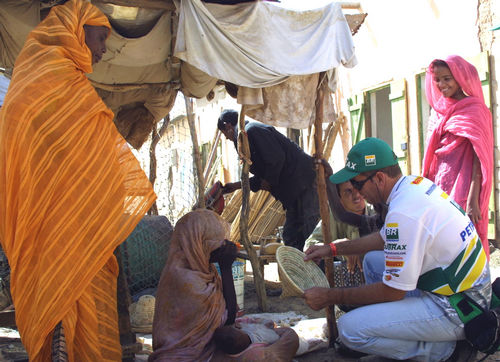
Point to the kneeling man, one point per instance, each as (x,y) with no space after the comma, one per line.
(431,249)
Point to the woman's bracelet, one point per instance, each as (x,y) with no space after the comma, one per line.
(333,248)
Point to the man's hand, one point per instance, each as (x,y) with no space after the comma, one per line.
(326,166)
(224,255)
(231,187)
(316,252)
(352,261)
(317,298)
(474,212)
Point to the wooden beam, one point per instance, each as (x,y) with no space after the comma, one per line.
(196,152)
(258,276)
(151,4)
(211,158)
(323,205)
(155,138)
(123,301)
(350,5)
(169,5)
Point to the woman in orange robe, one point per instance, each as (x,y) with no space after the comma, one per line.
(70,189)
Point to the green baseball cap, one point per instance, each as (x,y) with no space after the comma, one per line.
(370,154)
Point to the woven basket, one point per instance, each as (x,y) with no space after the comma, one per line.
(142,314)
(296,274)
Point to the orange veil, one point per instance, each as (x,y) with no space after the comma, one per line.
(70,192)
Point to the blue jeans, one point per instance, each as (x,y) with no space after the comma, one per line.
(373,269)
(412,328)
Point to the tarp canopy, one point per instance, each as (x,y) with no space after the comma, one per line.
(258,44)
(270,55)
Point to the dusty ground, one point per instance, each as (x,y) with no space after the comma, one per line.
(11,348)
(279,305)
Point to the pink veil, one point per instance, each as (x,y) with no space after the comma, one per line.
(457,130)
(464,73)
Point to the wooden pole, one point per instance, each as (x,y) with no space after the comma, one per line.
(127,338)
(151,4)
(330,140)
(196,152)
(344,135)
(211,158)
(350,5)
(244,151)
(326,134)
(342,123)
(155,138)
(323,205)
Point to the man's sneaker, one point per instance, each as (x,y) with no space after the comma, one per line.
(463,352)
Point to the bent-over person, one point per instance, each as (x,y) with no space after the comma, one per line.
(281,167)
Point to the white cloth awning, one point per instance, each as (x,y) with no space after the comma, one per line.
(259,44)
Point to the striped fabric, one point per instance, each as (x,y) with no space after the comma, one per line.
(70,192)
(461,275)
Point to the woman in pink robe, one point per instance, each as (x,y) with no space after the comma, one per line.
(459,154)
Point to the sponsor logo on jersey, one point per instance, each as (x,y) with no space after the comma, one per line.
(388,246)
(417,180)
(393,257)
(469,230)
(387,277)
(351,165)
(370,160)
(393,272)
(392,231)
(431,189)
(394,264)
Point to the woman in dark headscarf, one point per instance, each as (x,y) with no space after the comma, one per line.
(192,300)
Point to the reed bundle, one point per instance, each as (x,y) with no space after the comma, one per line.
(233,206)
(266,214)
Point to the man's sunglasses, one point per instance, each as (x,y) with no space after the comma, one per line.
(358,185)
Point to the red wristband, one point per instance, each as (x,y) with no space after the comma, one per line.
(333,248)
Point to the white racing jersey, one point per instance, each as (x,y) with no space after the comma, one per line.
(430,243)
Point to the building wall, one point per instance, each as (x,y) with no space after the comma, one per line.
(398,40)
(489,16)
(176,182)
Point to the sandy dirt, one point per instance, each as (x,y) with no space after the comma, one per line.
(280,305)
(11,348)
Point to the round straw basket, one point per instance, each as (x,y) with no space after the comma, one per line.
(142,314)
(296,274)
